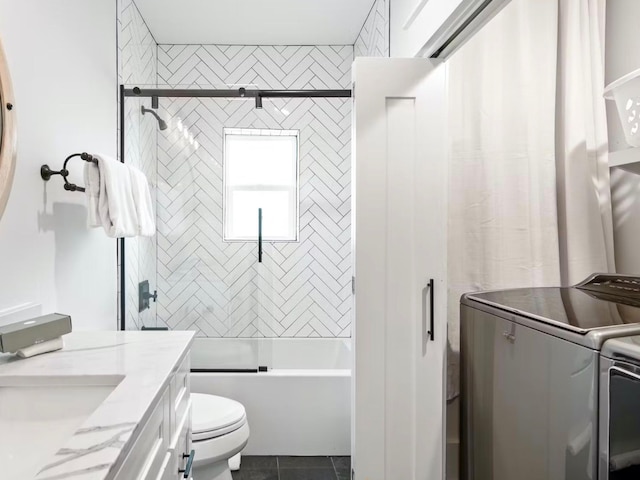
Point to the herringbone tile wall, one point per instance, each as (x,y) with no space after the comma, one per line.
(373,39)
(217,288)
(138,66)
(228,66)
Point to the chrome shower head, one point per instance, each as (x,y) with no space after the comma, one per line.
(161,123)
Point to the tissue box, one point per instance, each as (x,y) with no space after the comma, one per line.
(26,333)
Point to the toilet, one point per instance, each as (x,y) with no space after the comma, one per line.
(220,431)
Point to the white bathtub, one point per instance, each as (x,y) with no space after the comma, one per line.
(300,406)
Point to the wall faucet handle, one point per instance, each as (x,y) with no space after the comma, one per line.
(146,295)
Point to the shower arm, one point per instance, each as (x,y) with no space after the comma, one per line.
(161,123)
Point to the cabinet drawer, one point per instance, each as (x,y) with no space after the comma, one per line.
(179,449)
(144,461)
(183,434)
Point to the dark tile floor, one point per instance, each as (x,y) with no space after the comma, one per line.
(293,468)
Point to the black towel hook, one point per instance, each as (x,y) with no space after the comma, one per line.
(46,173)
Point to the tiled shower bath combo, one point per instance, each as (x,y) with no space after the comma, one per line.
(265,331)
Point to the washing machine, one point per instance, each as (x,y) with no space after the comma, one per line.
(531,373)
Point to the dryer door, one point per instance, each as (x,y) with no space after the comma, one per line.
(620,423)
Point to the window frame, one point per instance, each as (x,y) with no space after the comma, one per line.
(293,190)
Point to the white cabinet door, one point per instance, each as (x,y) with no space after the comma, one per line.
(169,468)
(399,233)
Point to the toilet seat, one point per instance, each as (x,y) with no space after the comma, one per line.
(214,416)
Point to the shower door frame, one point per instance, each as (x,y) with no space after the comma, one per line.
(154,93)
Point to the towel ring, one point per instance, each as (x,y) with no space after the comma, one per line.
(46,173)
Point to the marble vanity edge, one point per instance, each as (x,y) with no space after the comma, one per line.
(137,429)
(95,458)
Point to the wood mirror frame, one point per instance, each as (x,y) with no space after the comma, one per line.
(7,132)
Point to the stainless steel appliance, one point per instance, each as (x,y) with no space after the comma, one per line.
(530,376)
(620,409)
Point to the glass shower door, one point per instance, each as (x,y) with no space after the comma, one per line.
(138,254)
(207,281)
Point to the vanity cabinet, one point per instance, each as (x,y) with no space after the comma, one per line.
(161,450)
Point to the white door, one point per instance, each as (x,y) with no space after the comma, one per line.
(399,219)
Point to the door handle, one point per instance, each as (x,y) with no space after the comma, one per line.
(428,334)
(259,235)
(431,311)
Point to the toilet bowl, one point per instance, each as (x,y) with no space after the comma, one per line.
(219,431)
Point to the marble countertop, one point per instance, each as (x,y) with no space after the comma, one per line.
(142,363)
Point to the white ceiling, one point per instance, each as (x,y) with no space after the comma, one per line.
(255,22)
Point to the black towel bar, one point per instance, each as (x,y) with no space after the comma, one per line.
(46,173)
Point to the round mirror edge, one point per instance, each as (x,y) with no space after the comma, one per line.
(8,134)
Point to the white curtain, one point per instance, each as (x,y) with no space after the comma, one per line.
(584,194)
(529,201)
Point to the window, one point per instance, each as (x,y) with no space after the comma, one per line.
(260,171)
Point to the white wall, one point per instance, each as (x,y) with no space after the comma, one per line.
(623,56)
(62,57)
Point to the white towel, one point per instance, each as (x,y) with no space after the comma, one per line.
(116,207)
(142,200)
(92,191)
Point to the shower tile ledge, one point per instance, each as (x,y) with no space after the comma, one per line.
(142,363)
